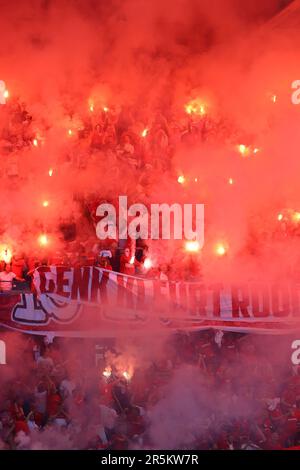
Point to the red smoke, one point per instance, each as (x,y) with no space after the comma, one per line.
(154,57)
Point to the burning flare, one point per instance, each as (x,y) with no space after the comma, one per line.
(6,255)
(192,246)
(221,249)
(195,107)
(296,216)
(243,149)
(147,263)
(107,372)
(127,375)
(43,239)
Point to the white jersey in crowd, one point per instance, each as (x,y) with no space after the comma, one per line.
(6,280)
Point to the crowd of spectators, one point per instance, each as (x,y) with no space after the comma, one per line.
(17,274)
(246,399)
(137,145)
(137,148)
(83,409)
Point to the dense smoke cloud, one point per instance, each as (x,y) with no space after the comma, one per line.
(150,58)
(51,47)
(183,403)
(153,57)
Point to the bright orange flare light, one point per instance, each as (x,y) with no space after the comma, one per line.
(147,263)
(220,249)
(50,172)
(243,149)
(126,375)
(6,255)
(45,203)
(43,240)
(107,372)
(195,107)
(296,216)
(192,246)
(181,179)
(144,133)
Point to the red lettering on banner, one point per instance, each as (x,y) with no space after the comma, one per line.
(141,304)
(277,292)
(217,299)
(157,297)
(183,295)
(295,301)
(80,286)
(120,290)
(197,298)
(161,297)
(240,305)
(256,294)
(172,291)
(42,270)
(62,281)
(99,284)
(253,301)
(125,297)
(129,293)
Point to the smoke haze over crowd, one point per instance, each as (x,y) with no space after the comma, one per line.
(61,58)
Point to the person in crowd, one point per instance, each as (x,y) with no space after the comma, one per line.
(97,139)
(7,276)
(127,263)
(117,414)
(18,265)
(103,260)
